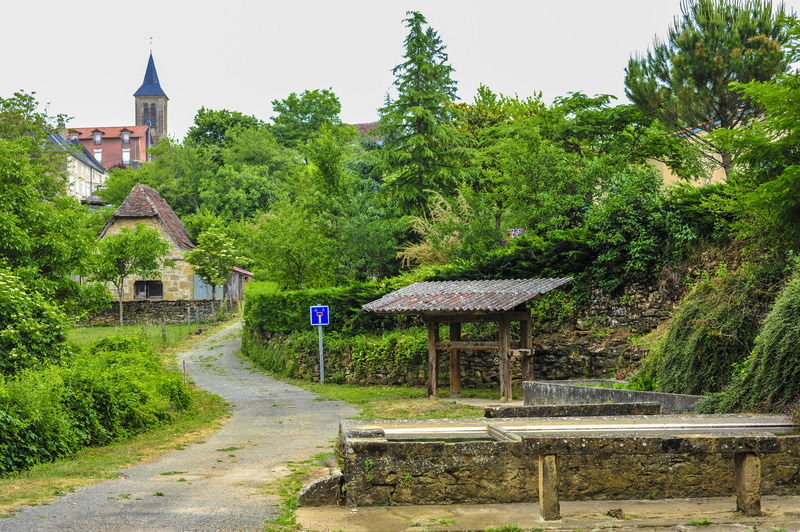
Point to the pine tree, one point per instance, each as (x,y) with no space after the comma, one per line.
(685,81)
(421,149)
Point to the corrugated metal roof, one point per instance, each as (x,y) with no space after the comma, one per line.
(463,296)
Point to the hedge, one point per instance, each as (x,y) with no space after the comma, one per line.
(269,311)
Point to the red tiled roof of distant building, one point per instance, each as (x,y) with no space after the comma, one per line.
(107,132)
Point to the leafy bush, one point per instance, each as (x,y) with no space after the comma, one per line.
(349,357)
(116,388)
(770,377)
(270,311)
(713,328)
(32,330)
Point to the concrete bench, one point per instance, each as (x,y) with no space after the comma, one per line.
(746,449)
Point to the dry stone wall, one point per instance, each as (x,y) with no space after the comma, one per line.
(153,311)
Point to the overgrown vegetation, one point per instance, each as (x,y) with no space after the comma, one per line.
(116,388)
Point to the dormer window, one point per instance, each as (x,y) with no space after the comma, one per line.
(98,139)
(126,137)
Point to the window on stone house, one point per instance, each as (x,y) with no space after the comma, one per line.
(148,289)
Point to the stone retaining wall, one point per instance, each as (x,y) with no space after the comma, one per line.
(380,472)
(153,311)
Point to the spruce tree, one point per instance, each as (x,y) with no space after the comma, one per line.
(421,149)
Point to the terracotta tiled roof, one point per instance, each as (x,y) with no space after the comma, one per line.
(463,296)
(108,132)
(144,202)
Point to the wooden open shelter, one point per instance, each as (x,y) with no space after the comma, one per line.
(457,302)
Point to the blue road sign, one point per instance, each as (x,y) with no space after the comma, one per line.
(319,315)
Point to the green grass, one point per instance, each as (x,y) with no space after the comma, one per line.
(176,334)
(392,402)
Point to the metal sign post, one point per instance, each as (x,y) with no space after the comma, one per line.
(319,317)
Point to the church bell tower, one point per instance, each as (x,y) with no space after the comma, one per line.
(151,104)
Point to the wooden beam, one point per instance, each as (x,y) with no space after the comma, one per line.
(505,361)
(455,361)
(526,345)
(433,360)
(476,317)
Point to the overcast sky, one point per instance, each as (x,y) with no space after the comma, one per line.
(87,59)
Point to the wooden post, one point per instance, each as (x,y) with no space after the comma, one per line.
(433,359)
(526,342)
(455,362)
(505,360)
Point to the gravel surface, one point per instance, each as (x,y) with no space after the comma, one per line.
(217,484)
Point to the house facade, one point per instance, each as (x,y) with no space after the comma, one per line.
(84,173)
(146,206)
(113,147)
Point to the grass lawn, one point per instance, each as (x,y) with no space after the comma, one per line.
(177,334)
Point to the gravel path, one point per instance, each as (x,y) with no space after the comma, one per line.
(217,484)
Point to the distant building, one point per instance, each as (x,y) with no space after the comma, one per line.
(113,147)
(125,146)
(84,173)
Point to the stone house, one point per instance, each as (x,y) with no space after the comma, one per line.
(84,174)
(145,205)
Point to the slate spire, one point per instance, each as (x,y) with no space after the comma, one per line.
(150,85)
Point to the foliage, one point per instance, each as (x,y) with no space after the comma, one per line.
(140,251)
(114,389)
(300,117)
(215,127)
(712,330)
(43,239)
(685,81)
(633,231)
(32,330)
(767,177)
(770,376)
(452,231)
(422,150)
(22,123)
(270,311)
(212,259)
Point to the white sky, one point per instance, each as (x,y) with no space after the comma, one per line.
(87,59)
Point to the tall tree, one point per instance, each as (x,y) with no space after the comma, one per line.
(422,149)
(214,127)
(139,251)
(212,259)
(300,117)
(685,81)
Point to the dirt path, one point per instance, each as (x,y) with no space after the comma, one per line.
(213,485)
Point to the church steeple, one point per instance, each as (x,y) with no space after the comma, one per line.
(151,103)
(150,85)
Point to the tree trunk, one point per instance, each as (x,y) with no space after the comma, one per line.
(119,295)
(213,298)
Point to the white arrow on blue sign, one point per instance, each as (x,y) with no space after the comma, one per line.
(319,315)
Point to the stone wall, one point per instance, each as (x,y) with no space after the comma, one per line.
(152,311)
(381,472)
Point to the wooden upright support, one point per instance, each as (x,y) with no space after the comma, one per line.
(526,343)
(433,359)
(505,360)
(455,361)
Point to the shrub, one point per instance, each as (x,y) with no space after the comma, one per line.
(116,388)
(770,377)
